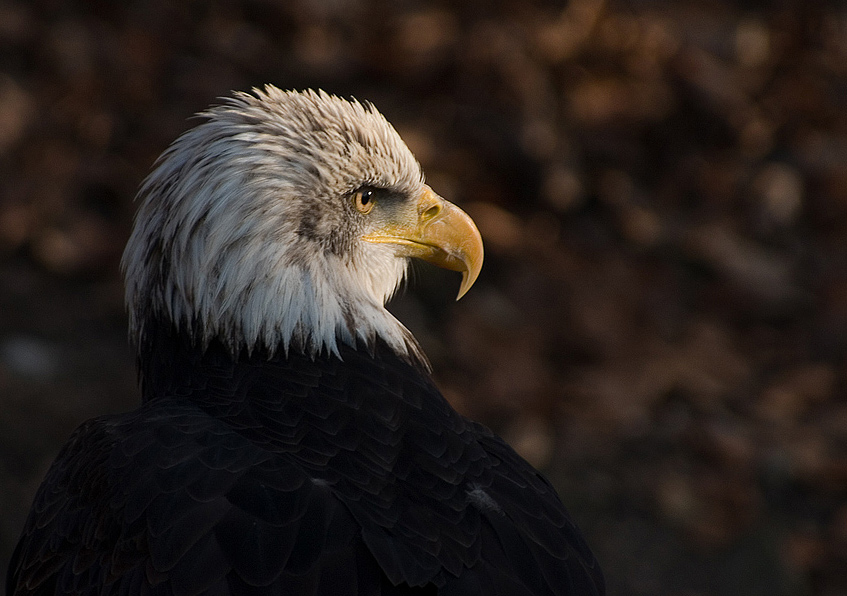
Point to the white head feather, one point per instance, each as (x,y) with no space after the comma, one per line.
(242,233)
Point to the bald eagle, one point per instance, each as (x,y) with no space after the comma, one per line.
(290,439)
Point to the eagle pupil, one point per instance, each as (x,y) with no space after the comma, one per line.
(363,200)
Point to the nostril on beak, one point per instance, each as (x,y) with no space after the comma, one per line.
(430,212)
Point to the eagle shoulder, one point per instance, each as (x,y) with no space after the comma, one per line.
(169,499)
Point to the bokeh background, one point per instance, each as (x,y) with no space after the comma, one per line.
(661,323)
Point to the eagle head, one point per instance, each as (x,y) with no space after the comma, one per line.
(287,219)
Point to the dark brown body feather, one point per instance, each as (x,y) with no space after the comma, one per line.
(293,476)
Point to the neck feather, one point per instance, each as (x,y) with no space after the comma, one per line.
(173,364)
(263,293)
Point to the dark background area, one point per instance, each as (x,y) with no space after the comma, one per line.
(661,322)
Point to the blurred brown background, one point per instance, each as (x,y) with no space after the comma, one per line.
(661,323)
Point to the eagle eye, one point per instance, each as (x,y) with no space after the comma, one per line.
(363,200)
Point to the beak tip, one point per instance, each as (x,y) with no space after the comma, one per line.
(468,280)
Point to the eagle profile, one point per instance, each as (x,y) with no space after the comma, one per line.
(290,440)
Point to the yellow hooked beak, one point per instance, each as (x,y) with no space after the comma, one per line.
(439,233)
